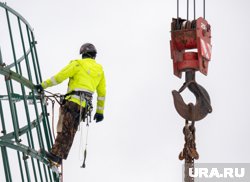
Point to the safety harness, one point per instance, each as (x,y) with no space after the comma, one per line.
(84,96)
(87,97)
(86,116)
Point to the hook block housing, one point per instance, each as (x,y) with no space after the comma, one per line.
(190,45)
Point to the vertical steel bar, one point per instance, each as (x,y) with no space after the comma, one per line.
(204,9)
(187,10)
(46,125)
(39,170)
(32,160)
(11,39)
(47,132)
(2,119)
(3,149)
(26,167)
(15,113)
(14,120)
(177,21)
(38,75)
(37,62)
(29,134)
(10,90)
(6,164)
(39,133)
(35,106)
(14,105)
(20,165)
(177,9)
(194,10)
(45,172)
(31,45)
(1,107)
(38,128)
(30,137)
(1,58)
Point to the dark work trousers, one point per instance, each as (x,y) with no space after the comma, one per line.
(66,129)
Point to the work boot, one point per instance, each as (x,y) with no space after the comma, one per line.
(53,158)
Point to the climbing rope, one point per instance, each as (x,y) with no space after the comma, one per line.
(53,119)
(87,117)
(85,149)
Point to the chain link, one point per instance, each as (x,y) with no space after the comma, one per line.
(189,152)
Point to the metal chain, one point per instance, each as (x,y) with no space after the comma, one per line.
(189,152)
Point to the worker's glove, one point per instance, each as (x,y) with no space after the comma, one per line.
(98,117)
(39,88)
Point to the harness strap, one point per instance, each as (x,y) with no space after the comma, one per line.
(79,93)
(84,96)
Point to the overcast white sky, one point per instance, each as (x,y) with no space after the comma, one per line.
(141,136)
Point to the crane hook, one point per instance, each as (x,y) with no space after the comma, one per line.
(190,111)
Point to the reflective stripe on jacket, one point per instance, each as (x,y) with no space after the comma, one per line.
(84,75)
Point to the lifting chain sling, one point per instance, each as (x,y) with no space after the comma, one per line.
(190,51)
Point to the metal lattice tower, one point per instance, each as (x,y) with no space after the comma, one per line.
(24,120)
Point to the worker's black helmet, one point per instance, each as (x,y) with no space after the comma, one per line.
(88,48)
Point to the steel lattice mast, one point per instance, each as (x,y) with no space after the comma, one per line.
(24,127)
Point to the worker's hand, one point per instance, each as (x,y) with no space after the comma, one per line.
(98,117)
(39,88)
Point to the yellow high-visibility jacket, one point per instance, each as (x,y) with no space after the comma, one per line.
(84,75)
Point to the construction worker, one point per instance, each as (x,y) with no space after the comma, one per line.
(85,77)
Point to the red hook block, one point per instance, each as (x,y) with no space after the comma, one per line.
(190,45)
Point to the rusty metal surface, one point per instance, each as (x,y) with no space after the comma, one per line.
(187,35)
(191,48)
(197,111)
(189,152)
(191,113)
